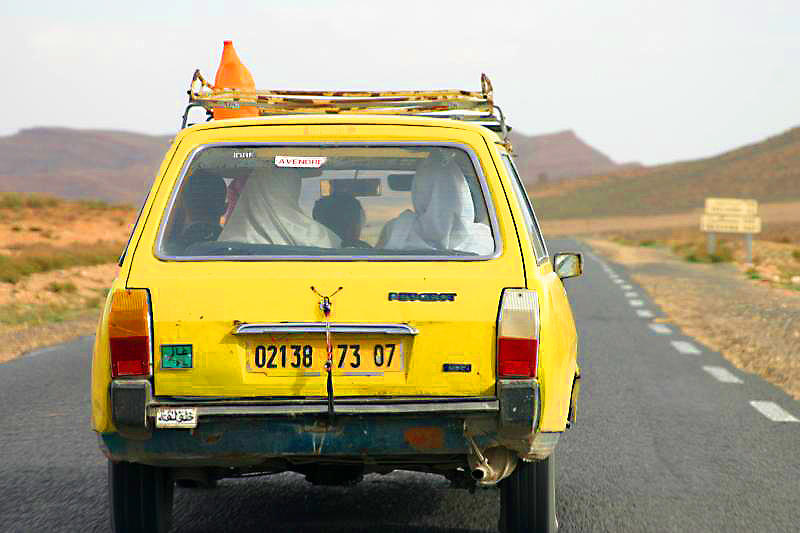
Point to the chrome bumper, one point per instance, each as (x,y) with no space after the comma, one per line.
(343,406)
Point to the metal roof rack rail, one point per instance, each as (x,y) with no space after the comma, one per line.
(469,106)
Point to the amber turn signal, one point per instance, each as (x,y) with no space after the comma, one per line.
(129,333)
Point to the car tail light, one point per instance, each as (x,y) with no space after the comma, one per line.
(129,333)
(518,334)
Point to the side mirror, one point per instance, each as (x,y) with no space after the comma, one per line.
(568,264)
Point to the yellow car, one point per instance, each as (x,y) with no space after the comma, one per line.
(335,295)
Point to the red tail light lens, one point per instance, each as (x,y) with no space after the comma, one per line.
(518,334)
(129,333)
(517,357)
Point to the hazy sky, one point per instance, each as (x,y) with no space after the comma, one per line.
(652,81)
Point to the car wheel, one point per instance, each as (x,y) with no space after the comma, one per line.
(195,484)
(140,497)
(528,498)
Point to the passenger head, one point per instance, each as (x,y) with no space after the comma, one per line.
(342,213)
(280,185)
(442,201)
(204,197)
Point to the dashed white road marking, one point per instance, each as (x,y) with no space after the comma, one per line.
(627,287)
(773,411)
(617,280)
(636,303)
(631,294)
(722,374)
(686,347)
(644,313)
(661,329)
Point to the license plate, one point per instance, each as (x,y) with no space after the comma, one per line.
(308,359)
(176,417)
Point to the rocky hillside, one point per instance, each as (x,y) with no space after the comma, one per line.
(114,166)
(557,156)
(768,171)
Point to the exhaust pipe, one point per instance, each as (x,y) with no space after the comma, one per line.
(492,465)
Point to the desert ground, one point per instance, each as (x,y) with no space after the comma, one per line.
(57,260)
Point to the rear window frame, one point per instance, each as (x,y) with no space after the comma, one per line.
(490,206)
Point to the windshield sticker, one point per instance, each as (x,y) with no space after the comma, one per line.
(299,162)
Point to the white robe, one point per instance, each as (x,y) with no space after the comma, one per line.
(443,216)
(268,212)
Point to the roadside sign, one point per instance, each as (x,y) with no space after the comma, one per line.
(730,224)
(731,215)
(733,207)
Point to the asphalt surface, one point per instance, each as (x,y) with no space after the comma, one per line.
(660,445)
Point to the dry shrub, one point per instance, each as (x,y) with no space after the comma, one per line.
(30,259)
(16,200)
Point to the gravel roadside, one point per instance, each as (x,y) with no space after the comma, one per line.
(755,326)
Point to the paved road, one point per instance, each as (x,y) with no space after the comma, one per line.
(661,445)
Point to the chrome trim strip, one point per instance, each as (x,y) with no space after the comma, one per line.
(343,408)
(297,328)
(487,198)
(178,401)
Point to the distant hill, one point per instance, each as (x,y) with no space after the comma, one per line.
(557,156)
(114,166)
(768,171)
(118,166)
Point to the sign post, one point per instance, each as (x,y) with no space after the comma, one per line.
(731,215)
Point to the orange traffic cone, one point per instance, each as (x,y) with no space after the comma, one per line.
(232,74)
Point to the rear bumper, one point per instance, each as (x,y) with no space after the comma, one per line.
(248,442)
(248,432)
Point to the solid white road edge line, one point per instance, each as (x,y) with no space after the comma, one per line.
(599,261)
(661,329)
(686,347)
(722,374)
(773,411)
(644,313)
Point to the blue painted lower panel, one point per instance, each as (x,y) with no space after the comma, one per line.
(240,442)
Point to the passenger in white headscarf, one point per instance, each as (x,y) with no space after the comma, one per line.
(443,216)
(268,212)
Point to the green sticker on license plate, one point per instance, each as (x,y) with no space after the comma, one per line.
(176,356)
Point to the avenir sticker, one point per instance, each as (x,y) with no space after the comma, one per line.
(299,162)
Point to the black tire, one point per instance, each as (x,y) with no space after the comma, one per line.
(193,484)
(140,498)
(528,498)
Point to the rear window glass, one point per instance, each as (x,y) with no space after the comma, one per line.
(320,201)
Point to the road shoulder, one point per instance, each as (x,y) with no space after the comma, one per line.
(754,326)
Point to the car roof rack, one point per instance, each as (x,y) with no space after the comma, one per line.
(474,107)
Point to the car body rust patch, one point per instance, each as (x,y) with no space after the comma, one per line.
(430,438)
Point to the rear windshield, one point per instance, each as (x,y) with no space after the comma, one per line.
(328,201)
